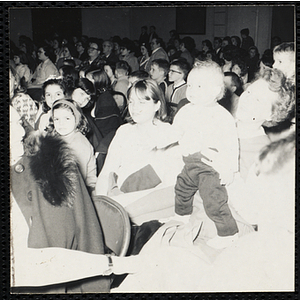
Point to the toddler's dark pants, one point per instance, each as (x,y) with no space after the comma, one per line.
(196,175)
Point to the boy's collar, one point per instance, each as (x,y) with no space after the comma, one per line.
(182,82)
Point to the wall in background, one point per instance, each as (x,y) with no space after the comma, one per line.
(127,22)
(20,23)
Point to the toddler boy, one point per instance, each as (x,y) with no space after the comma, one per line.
(204,124)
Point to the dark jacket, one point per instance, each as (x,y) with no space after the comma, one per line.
(51,194)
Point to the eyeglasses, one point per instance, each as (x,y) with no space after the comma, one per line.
(91,48)
(77,45)
(173,71)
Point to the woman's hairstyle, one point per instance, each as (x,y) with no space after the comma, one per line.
(283,108)
(208,44)
(237,39)
(101,80)
(147,46)
(22,56)
(182,64)
(86,86)
(80,120)
(189,43)
(70,76)
(60,82)
(58,39)
(46,49)
(148,89)
(237,82)
(71,49)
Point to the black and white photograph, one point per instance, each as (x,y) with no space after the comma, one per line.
(152,147)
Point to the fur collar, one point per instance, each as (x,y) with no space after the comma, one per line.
(53,167)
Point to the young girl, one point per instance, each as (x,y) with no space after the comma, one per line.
(53,89)
(105,112)
(131,150)
(84,95)
(72,126)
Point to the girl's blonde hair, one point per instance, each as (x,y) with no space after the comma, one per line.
(80,120)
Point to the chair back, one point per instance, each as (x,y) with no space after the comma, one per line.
(115,224)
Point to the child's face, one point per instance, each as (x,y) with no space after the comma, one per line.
(155,72)
(53,92)
(255,104)
(175,74)
(200,88)
(285,62)
(252,53)
(64,121)
(81,97)
(141,110)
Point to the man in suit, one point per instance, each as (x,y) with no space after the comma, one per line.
(157,52)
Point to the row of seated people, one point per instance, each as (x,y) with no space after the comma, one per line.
(155,168)
(36,63)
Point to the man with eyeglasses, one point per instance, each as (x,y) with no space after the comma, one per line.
(94,59)
(157,52)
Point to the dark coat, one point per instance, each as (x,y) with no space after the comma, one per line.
(70,221)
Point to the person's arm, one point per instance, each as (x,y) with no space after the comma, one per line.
(45,266)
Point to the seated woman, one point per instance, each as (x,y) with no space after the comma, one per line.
(84,94)
(105,112)
(68,53)
(266,99)
(143,60)
(22,68)
(138,157)
(43,71)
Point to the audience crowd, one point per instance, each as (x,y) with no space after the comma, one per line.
(189,141)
